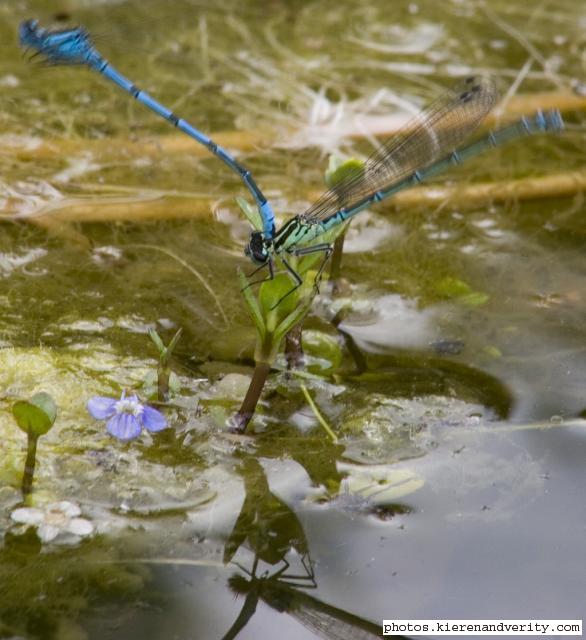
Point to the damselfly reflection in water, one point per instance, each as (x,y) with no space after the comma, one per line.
(288,593)
(428,145)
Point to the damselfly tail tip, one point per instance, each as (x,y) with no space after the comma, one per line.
(556,122)
(550,120)
(27,33)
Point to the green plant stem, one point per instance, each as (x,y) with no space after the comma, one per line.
(336,259)
(326,427)
(29,465)
(163,374)
(242,418)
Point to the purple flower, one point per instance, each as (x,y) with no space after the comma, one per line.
(126,417)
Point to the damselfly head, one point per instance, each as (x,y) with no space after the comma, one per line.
(29,34)
(239,584)
(56,46)
(256,248)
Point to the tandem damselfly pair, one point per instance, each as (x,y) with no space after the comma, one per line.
(428,145)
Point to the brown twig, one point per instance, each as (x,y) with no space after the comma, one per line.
(252,141)
(102,209)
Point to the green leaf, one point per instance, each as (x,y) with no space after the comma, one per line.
(156,338)
(251,213)
(149,383)
(292,319)
(277,295)
(45,402)
(492,351)
(452,288)
(339,169)
(174,383)
(252,304)
(174,341)
(37,416)
(474,299)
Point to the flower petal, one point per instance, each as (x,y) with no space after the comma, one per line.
(28,515)
(47,532)
(124,426)
(69,509)
(80,527)
(153,420)
(101,408)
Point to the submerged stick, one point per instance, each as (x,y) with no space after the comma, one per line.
(158,207)
(555,185)
(147,145)
(30,148)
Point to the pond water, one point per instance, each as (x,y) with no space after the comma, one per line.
(456,382)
